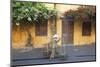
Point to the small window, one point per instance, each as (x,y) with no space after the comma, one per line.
(86,28)
(41,29)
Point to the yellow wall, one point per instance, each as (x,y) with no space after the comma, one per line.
(19,38)
(40,41)
(82,40)
(59,30)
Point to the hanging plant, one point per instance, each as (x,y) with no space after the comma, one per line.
(31,12)
(83,12)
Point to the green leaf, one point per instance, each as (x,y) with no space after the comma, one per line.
(31,11)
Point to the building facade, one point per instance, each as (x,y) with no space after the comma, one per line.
(71,33)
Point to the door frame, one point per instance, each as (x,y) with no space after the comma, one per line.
(72,32)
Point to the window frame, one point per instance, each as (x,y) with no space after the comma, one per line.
(86,28)
(39,30)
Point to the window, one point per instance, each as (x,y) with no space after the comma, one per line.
(41,29)
(86,28)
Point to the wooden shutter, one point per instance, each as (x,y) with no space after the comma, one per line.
(86,28)
(41,29)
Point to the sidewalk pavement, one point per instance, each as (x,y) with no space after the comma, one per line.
(33,56)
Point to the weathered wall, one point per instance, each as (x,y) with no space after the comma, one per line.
(59,30)
(19,38)
(82,40)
